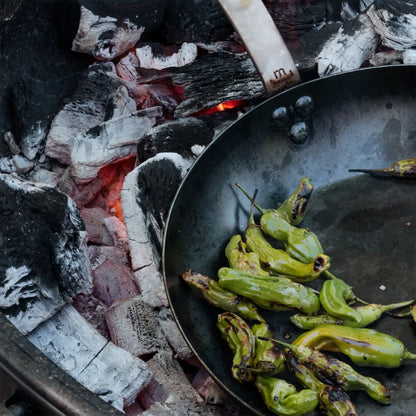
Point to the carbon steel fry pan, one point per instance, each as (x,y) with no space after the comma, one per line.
(367,225)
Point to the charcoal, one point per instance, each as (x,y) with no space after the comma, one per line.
(7,165)
(207,388)
(169,384)
(91,104)
(44,261)
(388,57)
(103,37)
(94,225)
(354,43)
(214,79)
(11,142)
(175,136)
(183,408)
(146,196)
(22,164)
(134,327)
(74,345)
(109,142)
(395,22)
(8,8)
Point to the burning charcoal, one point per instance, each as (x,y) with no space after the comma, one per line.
(103,37)
(169,384)
(44,260)
(355,42)
(231,77)
(94,225)
(146,196)
(207,388)
(174,336)
(183,408)
(395,22)
(92,103)
(75,346)
(109,142)
(175,136)
(117,230)
(186,54)
(134,326)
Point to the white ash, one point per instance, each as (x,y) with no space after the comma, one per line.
(134,326)
(109,142)
(22,165)
(183,408)
(169,385)
(7,165)
(197,149)
(409,56)
(355,43)
(33,140)
(387,57)
(74,345)
(11,142)
(46,176)
(143,243)
(95,100)
(103,37)
(395,22)
(187,53)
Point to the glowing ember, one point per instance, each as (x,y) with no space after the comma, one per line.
(227,105)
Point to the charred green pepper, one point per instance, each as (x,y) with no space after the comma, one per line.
(222,298)
(279,261)
(283,399)
(294,207)
(401,169)
(242,343)
(240,259)
(333,400)
(269,292)
(363,346)
(335,294)
(369,313)
(334,371)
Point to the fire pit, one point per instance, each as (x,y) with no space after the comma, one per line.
(104,107)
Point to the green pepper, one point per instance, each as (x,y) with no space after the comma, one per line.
(268,359)
(333,400)
(334,371)
(240,259)
(335,294)
(283,399)
(369,313)
(279,261)
(363,346)
(222,298)
(300,243)
(401,169)
(269,292)
(242,343)
(294,207)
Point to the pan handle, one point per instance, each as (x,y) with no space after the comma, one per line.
(263,42)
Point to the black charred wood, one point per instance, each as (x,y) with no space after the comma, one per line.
(8,8)
(176,136)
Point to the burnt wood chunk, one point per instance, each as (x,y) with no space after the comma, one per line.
(44,262)
(175,136)
(74,345)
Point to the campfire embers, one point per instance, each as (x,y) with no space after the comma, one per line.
(119,148)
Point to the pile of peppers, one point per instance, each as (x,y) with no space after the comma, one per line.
(261,276)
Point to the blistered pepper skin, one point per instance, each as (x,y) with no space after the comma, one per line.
(402,169)
(283,399)
(333,400)
(331,370)
(334,296)
(221,298)
(364,346)
(369,314)
(242,343)
(273,293)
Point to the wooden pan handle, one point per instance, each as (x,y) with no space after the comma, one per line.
(263,42)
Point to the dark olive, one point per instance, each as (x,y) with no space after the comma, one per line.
(304,105)
(299,132)
(280,116)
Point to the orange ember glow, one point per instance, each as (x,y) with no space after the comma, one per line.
(227,105)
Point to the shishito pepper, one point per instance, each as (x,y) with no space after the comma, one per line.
(283,399)
(364,346)
(268,359)
(334,371)
(269,292)
(294,207)
(239,258)
(335,294)
(401,169)
(369,313)
(242,343)
(279,261)
(333,400)
(222,298)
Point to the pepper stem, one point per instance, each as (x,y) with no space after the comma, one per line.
(259,208)
(407,355)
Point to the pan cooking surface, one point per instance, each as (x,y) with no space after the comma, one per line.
(367,225)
